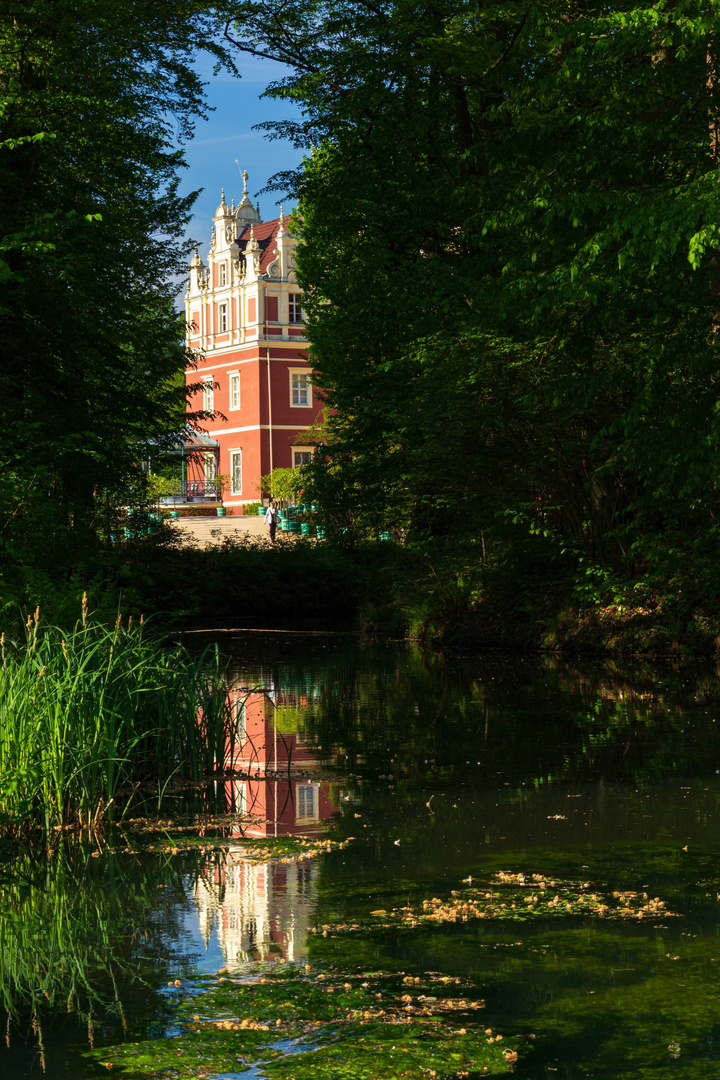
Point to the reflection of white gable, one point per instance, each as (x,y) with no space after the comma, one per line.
(260,911)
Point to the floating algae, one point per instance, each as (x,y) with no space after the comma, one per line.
(300,1023)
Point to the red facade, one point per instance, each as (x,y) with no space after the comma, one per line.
(245,323)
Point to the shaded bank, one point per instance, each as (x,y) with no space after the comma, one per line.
(458,599)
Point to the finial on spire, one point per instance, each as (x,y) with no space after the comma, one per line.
(257,206)
(232,207)
(281,226)
(244,175)
(222,195)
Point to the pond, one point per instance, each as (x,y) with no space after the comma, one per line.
(413,866)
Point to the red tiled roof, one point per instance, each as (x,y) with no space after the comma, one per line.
(266,235)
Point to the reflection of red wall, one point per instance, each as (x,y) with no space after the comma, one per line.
(276,803)
(263,748)
(286,804)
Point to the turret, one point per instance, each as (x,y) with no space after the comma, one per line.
(196,273)
(246,214)
(252,257)
(282,263)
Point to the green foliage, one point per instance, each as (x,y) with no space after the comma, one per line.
(285,484)
(93,100)
(162,487)
(86,714)
(507,221)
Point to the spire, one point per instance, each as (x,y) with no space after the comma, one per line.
(245,212)
(281,226)
(223,209)
(196,262)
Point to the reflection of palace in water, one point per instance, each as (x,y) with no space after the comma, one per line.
(262,911)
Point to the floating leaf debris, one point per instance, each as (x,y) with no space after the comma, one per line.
(516,896)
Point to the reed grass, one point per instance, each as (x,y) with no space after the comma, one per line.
(86,716)
(77,934)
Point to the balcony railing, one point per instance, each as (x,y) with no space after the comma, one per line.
(192,491)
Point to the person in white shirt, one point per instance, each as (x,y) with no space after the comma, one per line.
(271,517)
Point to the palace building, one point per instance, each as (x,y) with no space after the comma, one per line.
(245,321)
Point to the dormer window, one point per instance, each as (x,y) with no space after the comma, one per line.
(223,274)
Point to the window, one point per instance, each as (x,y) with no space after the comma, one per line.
(222,274)
(208,394)
(209,468)
(300,389)
(304,876)
(301,455)
(296,313)
(235,390)
(222,319)
(236,472)
(306,805)
(239,716)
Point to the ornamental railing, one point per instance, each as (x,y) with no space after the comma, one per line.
(193,491)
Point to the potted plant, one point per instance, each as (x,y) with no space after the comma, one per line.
(221,485)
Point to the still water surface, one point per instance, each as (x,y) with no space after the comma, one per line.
(441,770)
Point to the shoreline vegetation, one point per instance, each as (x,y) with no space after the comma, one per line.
(88,716)
(446,598)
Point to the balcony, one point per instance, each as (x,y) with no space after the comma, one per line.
(191,491)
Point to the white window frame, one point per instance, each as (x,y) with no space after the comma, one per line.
(233,385)
(293,389)
(209,468)
(240,720)
(301,450)
(302,791)
(233,489)
(222,274)
(295,311)
(208,393)
(222,318)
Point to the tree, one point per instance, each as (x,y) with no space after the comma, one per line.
(509,225)
(94,98)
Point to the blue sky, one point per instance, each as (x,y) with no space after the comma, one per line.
(227,135)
